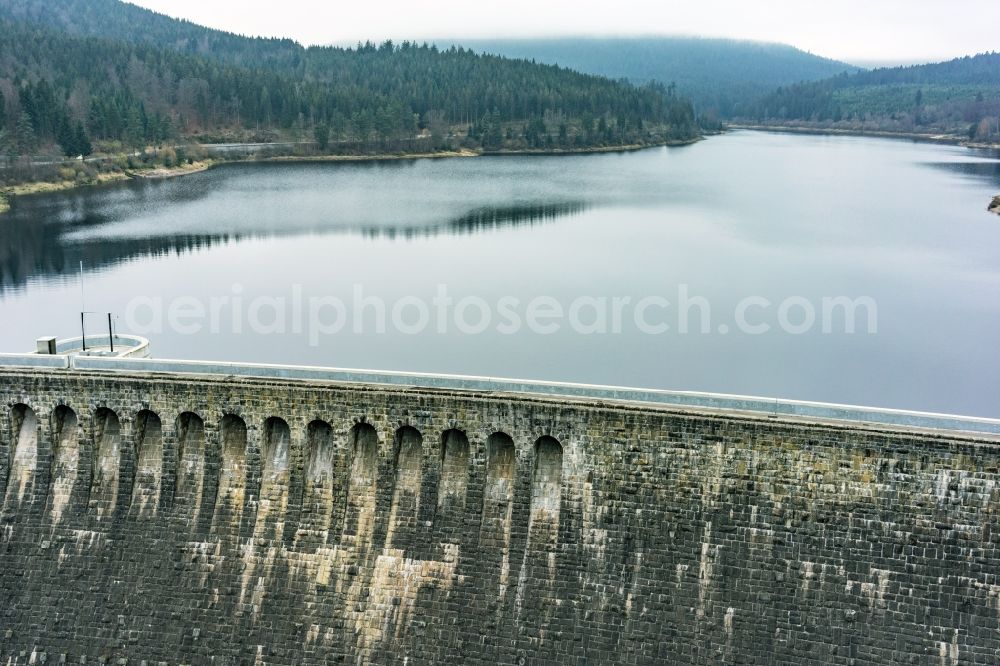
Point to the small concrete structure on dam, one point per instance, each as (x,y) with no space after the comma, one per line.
(161,512)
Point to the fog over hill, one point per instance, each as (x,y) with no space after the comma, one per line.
(718,75)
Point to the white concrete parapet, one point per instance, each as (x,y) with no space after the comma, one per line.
(690,399)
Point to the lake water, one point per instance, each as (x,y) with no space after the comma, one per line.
(475,258)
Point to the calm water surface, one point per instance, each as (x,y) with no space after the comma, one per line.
(745,215)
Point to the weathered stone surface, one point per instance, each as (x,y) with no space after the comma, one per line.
(156,519)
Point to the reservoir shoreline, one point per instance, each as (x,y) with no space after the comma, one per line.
(162,172)
(936,138)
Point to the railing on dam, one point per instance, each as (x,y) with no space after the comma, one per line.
(684,399)
(126,346)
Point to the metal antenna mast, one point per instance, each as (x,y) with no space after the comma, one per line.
(83,309)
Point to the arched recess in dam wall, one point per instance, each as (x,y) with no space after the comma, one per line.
(254,521)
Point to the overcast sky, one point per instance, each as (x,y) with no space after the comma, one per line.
(857,31)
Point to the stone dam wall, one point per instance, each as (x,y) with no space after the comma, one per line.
(156,519)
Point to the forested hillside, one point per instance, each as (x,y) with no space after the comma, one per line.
(126,22)
(961,95)
(75,74)
(720,76)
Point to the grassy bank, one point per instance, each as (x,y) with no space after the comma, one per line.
(46,186)
(169,172)
(43,187)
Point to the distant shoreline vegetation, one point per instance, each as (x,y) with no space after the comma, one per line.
(960,97)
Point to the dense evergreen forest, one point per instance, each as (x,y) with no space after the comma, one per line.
(117,20)
(961,96)
(80,74)
(720,76)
